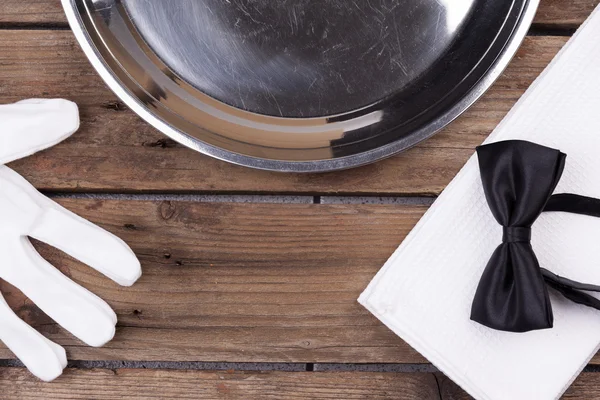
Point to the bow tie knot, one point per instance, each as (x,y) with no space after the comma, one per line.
(514,234)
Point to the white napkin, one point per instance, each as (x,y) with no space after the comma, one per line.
(425,290)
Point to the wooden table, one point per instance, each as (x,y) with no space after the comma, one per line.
(250,278)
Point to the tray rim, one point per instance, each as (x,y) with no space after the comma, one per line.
(495,70)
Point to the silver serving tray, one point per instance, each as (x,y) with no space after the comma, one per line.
(299,85)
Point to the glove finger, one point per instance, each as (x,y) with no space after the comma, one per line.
(70,285)
(57,226)
(33,125)
(31,203)
(71,306)
(88,243)
(44,358)
(25,205)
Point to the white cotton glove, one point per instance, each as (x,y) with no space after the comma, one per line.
(27,127)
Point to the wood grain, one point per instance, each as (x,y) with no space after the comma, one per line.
(144,384)
(230,282)
(30,12)
(116,151)
(564,13)
(239,282)
(586,386)
(17,383)
(557,13)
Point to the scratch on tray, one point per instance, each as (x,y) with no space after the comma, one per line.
(270,94)
(294,23)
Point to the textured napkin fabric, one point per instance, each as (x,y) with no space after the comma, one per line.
(425,290)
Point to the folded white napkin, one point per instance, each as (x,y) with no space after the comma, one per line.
(425,290)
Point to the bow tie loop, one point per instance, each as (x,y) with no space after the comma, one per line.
(518,178)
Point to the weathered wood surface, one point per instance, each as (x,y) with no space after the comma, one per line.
(233,282)
(239,282)
(17,383)
(586,386)
(173,384)
(116,151)
(556,13)
(32,12)
(564,13)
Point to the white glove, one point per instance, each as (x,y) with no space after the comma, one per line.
(26,127)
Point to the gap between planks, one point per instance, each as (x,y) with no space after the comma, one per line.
(270,199)
(249,366)
(242,366)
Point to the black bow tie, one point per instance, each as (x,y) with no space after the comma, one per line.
(518,180)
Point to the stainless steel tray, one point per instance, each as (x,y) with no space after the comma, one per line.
(299,85)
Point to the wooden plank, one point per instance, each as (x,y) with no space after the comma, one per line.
(28,12)
(172,384)
(564,14)
(116,151)
(569,13)
(17,383)
(239,282)
(586,386)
